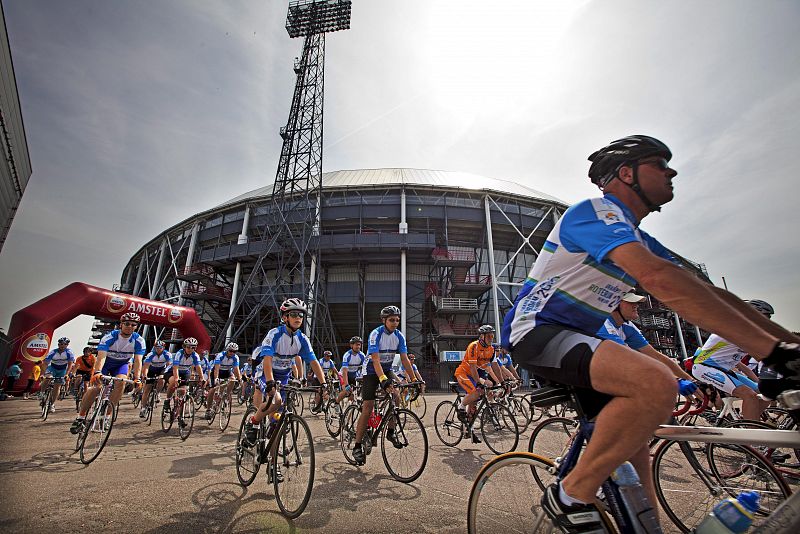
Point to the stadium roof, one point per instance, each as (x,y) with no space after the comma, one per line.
(382,178)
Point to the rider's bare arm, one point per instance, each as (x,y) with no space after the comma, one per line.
(692,298)
(648,350)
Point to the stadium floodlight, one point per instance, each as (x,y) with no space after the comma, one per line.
(307,17)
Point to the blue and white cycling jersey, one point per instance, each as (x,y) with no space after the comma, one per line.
(120,349)
(401,371)
(283,347)
(185,362)
(60,360)
(225,362)
(328,367)
(205,366)
(353,361)
(246,369)
(387,345)
(573,283)
(159,361)
(626,334)
(503,360)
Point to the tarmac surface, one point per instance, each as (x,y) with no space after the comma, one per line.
(152,482)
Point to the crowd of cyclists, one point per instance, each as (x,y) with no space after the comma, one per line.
(572,324)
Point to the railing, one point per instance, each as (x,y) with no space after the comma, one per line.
(456,255)
(448,303)
(197,289)
(477,279)
(199,268)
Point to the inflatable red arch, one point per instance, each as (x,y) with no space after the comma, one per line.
(32,328)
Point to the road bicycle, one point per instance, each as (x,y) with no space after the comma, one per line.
(498,427)
(182,410)
(96,428)
(405,457)
(220,403)
(287,447)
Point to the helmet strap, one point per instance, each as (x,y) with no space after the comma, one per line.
(638,189)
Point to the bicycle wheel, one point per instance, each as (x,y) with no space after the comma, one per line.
(167,418)
(186,418)
(211,411)
(96,431)
(551,439)
(419,406)
(347,435)
(151,406)
(499,429)
(534,413)
(445,420)
(311,398)
(247,462)
(137,398)
(782,458)
(406,463)
(505,498)
(45,404)
(79,395)
(519,409)
(224,413)
(333,418)
(81,435)
(295,457)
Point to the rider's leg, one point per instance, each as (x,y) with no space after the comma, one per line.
(626,423)
(119,389)
(363,419)
(752,406)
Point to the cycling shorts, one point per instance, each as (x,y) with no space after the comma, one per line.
(155,372)
(223,375)
(563,355)
(724,380)
(281,379)
(466,382)
(184,375)
(115,367)
(57,374)
(370,385)
(86,375)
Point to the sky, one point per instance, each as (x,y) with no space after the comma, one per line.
(140,114)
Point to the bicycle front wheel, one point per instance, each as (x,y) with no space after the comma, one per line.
(247,463)
(445,420)
(499,429)
(224,413)
(333,418)
(347,435)
(96,431)
(406,459)
(295,458)
(419,406)
(551,439)
(186,418)
(491,510)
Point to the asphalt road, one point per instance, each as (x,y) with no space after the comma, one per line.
(148,481)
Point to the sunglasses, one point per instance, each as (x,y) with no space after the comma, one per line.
(296,315)
(660,163)
(393,319)
(126,323)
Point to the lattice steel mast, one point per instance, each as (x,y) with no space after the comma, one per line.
(287,266)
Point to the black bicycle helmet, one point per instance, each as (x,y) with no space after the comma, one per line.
(486,329)
(607,161)
(762,307)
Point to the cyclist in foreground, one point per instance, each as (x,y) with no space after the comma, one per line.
(114,353)
(384,342)
(719,363)
(592,257)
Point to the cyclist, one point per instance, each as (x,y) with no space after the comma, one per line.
(592,256)
(184,364)
(155,366)
(620,329)
(58,363)
(401,372)
(225,363)
(384,342)
(83,368)
(329,368)
(206,366)
(114,355)
(283,350)
(719,363)
(352,362)
(475,370)
(505,364)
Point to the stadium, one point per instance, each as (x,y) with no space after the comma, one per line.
(450,248)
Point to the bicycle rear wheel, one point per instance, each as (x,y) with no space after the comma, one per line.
(505,498)
(96,431)
(186,418)
(224,413)
(333,418)
(499,429)
(408,462)
(295,457)
(347,435)
(445,420)
(247,462)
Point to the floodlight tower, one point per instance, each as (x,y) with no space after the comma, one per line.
(287,267)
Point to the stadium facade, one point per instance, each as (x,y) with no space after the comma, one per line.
(450,248)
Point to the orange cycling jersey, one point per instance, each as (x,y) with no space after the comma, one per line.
(84,365)
(478,355)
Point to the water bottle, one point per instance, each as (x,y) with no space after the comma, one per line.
(273,423)
(731,516)
(640,510)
